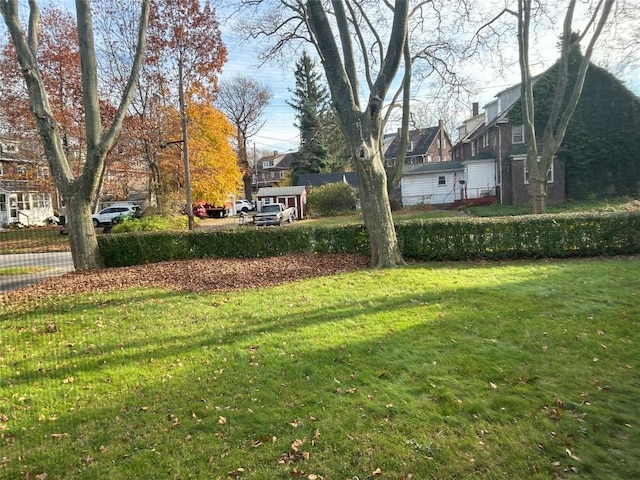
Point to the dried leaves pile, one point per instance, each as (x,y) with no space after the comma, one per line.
(201,275)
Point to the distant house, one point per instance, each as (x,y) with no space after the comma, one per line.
(426,145)
(427,174)
(26,191)
(493,155)
(290,196)
(600,154)
(270,170)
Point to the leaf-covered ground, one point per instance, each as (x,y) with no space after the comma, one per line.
(200,275)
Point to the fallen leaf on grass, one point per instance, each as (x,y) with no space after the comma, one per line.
(571,455)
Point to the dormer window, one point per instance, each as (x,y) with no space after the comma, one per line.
(9,148)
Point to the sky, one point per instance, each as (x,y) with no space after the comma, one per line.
(279,133)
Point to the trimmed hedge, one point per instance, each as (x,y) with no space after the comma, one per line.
(497,238)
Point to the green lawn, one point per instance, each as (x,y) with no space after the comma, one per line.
(446,370)
(21,270)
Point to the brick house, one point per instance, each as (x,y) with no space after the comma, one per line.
(495,146)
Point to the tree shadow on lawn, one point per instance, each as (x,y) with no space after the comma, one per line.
(212,322)
(387,368)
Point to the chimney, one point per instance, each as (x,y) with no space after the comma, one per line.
(475,109)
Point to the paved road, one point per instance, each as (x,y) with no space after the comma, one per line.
(57,263)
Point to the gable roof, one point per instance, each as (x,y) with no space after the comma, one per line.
(280,191)
(280,161)
(319,179)
(421,138)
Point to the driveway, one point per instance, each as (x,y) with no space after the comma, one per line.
(56,264)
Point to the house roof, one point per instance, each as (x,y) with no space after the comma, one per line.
(319,179)
(280,161)
(421,138)
(280,191)
(456,165)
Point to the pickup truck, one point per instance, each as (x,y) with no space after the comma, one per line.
(274,214)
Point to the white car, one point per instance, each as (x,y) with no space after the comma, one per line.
(243,205)
(107,215)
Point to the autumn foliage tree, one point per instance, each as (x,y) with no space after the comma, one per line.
(184,45)
(214,169)
(78,187)
(59,61)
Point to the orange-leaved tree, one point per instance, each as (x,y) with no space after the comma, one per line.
(214,166)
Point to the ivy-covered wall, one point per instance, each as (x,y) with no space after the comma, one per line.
(601,149)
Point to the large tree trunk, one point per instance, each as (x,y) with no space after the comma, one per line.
(374,201)
(362,128)
(82,234)
(538,195)
(79,191)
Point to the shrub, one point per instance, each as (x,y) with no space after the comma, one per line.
(331,199)
(453,238)
(152,223)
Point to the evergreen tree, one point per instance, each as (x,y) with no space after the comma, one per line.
(311,103)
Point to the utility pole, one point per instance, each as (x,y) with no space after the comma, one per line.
(185,145)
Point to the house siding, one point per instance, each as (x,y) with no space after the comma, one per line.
(426,190)
(481,178)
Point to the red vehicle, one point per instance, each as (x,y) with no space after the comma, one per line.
(200,211)
(207,210)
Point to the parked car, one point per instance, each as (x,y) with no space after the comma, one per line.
(106,216)
(274,214)
(243,205)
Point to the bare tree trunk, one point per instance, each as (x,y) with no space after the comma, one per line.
(78,192)
(362,129)
(562,111)
(82,236)
(374,200)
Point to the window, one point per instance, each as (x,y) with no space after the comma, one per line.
(3,202)
(549,173)
(517,134)
(267,164)
(1,169)
(474,148)
(23,201)
(43,172)
(485,139)
(442,180)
